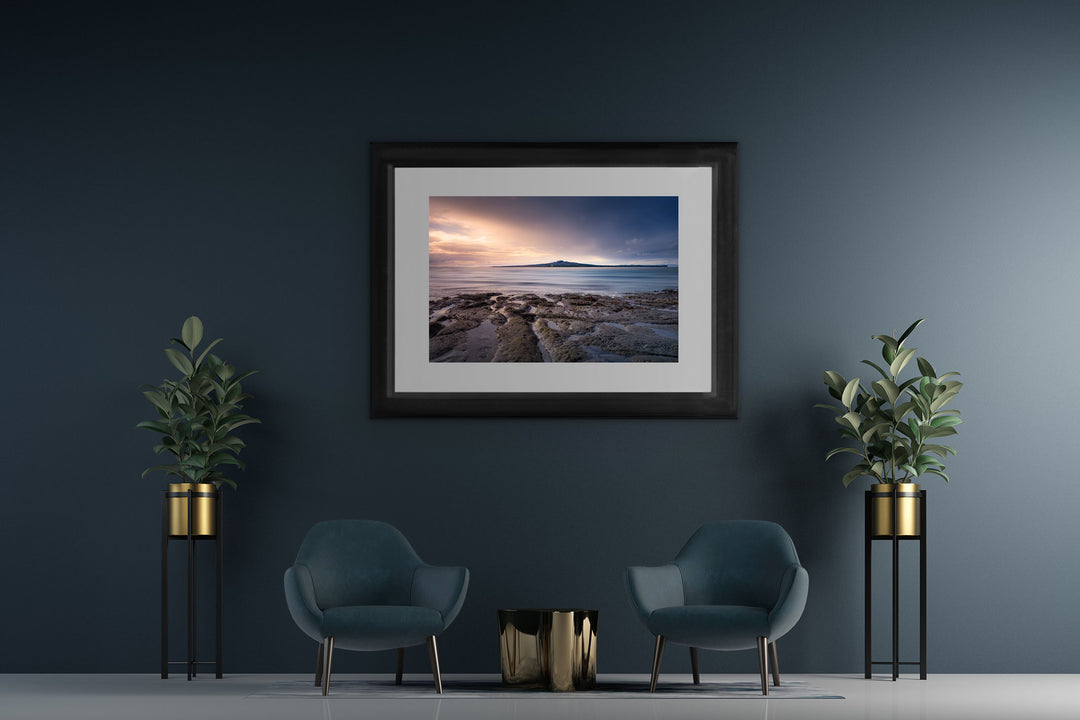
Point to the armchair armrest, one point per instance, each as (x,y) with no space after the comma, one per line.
(652,588)
(791,601)
(300,596)
(441,588)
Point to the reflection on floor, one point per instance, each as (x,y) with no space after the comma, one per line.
(148,697)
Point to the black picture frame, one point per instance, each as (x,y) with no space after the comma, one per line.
(717,400)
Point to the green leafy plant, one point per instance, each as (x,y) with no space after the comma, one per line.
(198,413)
(894,424)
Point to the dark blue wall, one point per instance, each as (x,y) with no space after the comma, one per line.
(898,160)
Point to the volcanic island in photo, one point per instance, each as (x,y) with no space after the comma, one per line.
(553,279)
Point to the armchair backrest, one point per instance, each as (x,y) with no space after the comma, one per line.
(736,562)
(358,562)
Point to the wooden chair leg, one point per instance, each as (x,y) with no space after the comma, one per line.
(318,664)
(694,666)
(658,654)
(763,663)
(433,654)
(774,664)
(328,657)
(400,665)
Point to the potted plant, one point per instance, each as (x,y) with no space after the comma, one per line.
(894,427)
(197,416)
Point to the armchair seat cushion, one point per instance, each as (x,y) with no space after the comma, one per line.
(380,627)
(711,627)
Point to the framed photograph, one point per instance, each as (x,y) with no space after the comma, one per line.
(554,280)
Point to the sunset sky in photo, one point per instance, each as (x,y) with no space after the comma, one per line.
(598,230)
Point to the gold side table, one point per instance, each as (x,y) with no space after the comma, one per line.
(548,649)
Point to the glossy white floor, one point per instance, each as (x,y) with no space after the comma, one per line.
(148,697)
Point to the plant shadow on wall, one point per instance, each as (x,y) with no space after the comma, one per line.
(784,440)
(895,426)
(198,415)
(787,443)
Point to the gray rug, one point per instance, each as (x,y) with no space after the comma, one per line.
(385,689)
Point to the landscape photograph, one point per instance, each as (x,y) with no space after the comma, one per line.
(553,279)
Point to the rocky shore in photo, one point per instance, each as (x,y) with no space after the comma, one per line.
(564,327)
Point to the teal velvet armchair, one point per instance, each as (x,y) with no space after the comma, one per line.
(735,585)
(359,585)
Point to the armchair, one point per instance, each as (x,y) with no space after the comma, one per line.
(734,585)
(359,585)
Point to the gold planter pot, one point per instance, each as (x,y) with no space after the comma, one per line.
(907,497)
(203,509)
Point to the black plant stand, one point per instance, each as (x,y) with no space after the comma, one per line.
(895,540)
(192,662)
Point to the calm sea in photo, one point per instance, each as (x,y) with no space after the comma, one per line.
(448,281)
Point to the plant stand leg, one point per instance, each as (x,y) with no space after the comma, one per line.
(895,585)
(220,571)
(922,586)
(164,587)
(194,608)
(868,669)
(190,592)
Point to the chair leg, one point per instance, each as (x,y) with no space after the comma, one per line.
(318,664)
(763,664)
(433,654)
(774,664)
(658,654)
(328,657)
(400,665)
(694,666)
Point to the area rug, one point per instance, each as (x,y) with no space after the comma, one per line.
(386,689)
